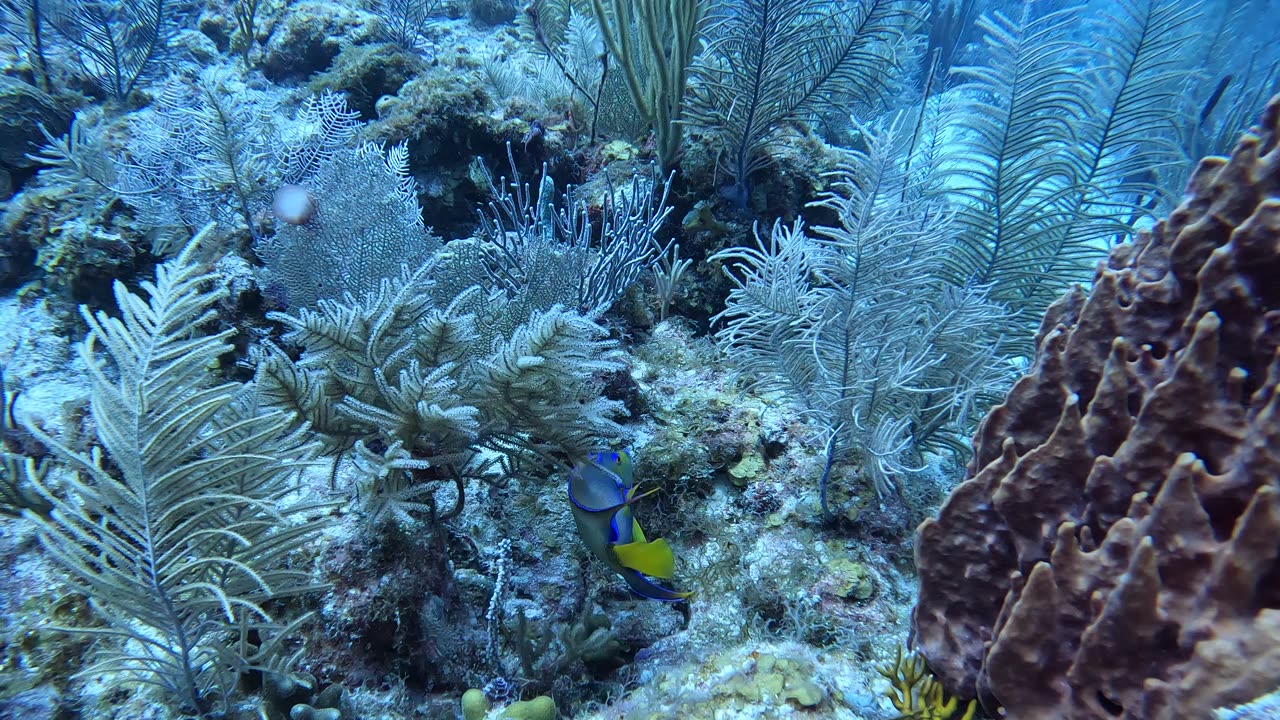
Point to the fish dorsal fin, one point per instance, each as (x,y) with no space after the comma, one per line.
(651,558)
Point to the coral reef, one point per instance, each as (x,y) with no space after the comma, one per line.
(474,705)
(418,433)
(293,696)
(25,107)
(448,118)
(1112,552)
(773,680)
(311,35)
(765,681)
(365,73)
(539,708)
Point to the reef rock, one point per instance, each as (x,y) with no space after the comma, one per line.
(1112,552)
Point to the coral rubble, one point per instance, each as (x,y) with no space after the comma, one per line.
(1112,552)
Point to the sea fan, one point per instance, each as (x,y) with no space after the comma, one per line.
(173,526)
(1062,143)
(858,326)
(117,42)
(773,61)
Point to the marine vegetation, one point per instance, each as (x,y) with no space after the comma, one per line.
(174,526)
(856,322)
(774,61)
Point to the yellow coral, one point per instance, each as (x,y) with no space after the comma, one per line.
(917,694)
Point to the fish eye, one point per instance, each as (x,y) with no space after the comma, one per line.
(616,457)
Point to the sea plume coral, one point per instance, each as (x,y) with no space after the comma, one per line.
(1112,552)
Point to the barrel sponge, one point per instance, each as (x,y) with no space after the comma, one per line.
(474,705)
(1112,552)
(539,708)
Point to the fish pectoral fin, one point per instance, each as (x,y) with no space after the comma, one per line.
(651,558)
(637,535)
(631,495)
(628,500)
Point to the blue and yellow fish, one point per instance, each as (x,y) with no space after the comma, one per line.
(601,491)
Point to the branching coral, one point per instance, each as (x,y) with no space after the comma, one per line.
(657,71)
(431,383)
(1113,552)
(917,694)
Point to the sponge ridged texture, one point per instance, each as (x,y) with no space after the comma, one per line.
(1112,552)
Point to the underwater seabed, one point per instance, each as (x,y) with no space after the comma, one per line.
(837,608)
(841,608)
(786,620)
